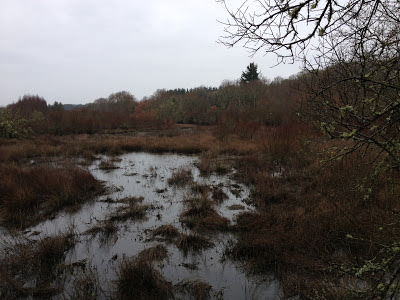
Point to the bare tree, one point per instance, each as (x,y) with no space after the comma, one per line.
(351,52)
(288,27)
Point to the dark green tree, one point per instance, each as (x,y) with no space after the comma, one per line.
(250,74)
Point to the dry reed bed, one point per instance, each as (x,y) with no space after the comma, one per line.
(139,278)
(200,216)
(312,221)
(32,269)
(31,194)
(87,146)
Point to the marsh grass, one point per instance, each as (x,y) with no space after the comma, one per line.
(181,177)
(193,243)
(208,165)
(32,194)
(198,188)
(303,220)
(130,200)
(86,285)
(195,289)
(222,168)
(91,145)
(200,215)
(218,195)
(138,278)
(298,231)
(134,211)
(153,254)
(168,232)
(205,166)
(108,165)
(31,268)
(105,229)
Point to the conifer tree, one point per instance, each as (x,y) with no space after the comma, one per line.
(250,74)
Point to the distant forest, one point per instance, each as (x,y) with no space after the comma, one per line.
(239,107)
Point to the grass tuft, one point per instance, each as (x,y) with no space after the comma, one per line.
(29,195)
(201,216)
(197,289)
(138,278)
(134,211)
(193,243)
(168,232)
(181,177)
(30,268)
(108,165)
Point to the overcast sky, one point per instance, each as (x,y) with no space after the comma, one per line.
(76,51)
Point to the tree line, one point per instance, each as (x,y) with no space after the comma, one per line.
(235,106)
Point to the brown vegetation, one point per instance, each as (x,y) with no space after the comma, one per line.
(108,165)
(30,269)
(168,232)
(193,243)
(138,277)
(134,211)
(324,223)
(200,215)
(181,177)
(43,147)
(315,221)
(199,290)
(30,194)
(106,229)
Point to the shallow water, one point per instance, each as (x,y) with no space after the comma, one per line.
(145,175)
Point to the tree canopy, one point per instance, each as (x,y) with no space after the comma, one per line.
(250,74)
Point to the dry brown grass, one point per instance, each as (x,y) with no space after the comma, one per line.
(87,285)
(30,269)
(218,195)
(181,177)
(193,243)
(108,165)
(105,229)
(236,207)
(200,215)
(134,211)
(300,231)
(168,232)
(29,194)
(197,289)
(153,254)
(303,216)
(138,278)
(43,147)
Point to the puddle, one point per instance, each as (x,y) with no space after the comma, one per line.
(146,175)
